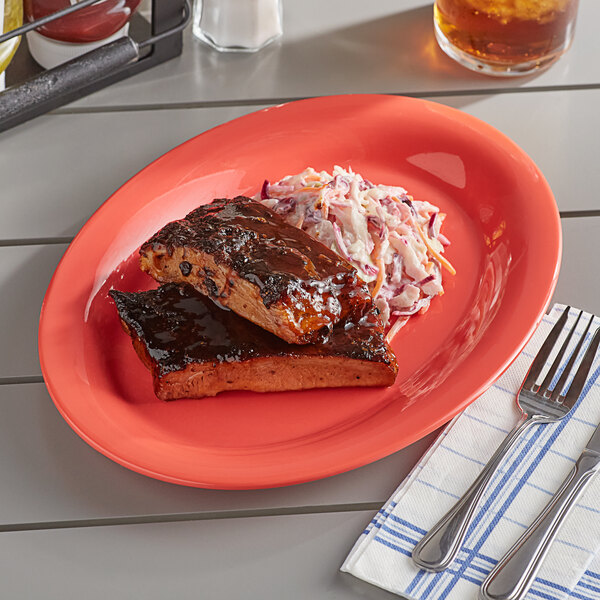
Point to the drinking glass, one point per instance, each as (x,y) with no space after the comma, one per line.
(505,37)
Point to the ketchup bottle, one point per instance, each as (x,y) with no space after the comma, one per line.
(77,33)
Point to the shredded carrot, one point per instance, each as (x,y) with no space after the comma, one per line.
(324,207)
(380,277)
(400,201)
(445,262)
(311,188)
(395,328)
(379,260)
(315,177)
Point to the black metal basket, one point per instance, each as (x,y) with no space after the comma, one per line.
(33,91)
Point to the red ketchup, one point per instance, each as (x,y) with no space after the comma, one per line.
(80,32)
(93,23)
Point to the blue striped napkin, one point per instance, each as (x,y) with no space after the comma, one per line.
(520,489)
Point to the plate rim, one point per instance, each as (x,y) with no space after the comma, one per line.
(376,454)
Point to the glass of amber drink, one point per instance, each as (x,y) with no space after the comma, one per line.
(505,37)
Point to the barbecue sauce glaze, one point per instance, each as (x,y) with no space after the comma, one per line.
(284,262)
(178,325)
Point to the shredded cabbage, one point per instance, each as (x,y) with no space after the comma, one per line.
(392,240)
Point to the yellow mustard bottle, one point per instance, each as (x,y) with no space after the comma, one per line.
(11,17)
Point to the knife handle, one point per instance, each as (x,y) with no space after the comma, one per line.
(512,577)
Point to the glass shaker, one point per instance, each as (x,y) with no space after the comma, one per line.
(237,25)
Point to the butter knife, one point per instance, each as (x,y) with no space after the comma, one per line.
(512,577)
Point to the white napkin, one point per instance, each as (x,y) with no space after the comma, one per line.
(520,489)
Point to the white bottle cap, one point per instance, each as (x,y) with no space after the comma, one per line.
(50,53)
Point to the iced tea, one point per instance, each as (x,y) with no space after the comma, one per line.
(505,37)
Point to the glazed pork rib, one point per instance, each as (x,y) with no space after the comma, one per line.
(194,348)
(242,254)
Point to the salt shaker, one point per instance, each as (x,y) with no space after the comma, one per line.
(237,25)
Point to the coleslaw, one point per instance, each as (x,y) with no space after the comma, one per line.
(393,240)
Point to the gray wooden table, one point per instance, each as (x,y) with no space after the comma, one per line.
(76,525)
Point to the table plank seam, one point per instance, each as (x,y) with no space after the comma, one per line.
(275,101)
(25,379)
(184,517)
(42,241)
(574,214)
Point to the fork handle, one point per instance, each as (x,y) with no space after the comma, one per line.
(439,547)
(512,577)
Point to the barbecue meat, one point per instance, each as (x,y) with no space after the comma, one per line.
(250,260)
(195,348)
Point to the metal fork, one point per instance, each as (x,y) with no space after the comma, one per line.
(538,404)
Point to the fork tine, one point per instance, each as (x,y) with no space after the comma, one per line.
(556,364)
(542,356)
(567,370)
(582,372)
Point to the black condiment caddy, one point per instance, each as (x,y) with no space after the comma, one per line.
(32,91)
